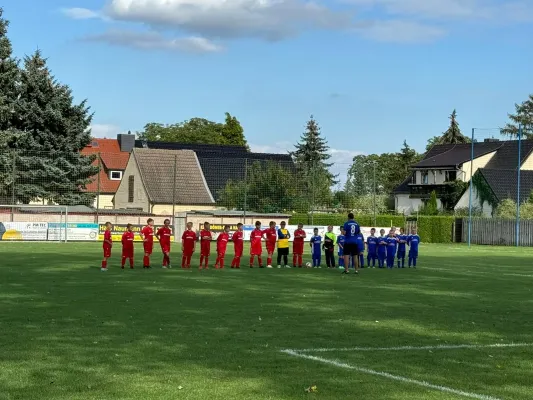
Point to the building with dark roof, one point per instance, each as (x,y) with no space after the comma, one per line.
(443,164)
(501,184)
(112,156)
(163,181)
(221,164)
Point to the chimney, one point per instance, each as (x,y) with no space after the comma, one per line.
(126,142)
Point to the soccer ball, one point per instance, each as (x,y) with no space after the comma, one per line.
(308,264)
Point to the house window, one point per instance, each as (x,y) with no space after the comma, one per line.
(115,175)
(425,177)
(450,176)
(94,144)
(131,188)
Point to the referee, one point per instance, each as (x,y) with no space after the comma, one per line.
(283,245)
(351,248)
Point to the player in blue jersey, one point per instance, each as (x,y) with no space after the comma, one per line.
(413,241)
(361,247)
(351,249)
(340,250)
(382,248)
(392,242)
(402,244)
(372,248)
(316,248)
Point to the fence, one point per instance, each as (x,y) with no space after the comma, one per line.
(165,182)
(498,232)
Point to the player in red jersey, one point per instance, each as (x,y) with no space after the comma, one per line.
(107,245)
(163,235)
(147,236)
(222,244)
(238,243)
(205,245)
(256,248)
(271,236)
(127,245)
(188,244)
(298,246)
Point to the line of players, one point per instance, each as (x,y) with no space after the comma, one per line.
(383,248)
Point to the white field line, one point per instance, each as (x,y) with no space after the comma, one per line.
(413,348)
(390,376)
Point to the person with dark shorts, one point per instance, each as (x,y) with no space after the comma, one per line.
(351,247)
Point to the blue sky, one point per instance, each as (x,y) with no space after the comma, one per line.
(372,72)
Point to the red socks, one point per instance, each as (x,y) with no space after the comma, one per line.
(269,260)
(104,264)
(146,261)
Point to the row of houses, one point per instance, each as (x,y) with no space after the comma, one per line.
(494,162)
(141,175)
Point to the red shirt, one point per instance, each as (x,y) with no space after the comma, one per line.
(148,234)
(164,235)
(188,238)
(238,239)
(127,239)
(108,238)
(205,237)
(299,236)
(222,242)
(255,237)
(271,236)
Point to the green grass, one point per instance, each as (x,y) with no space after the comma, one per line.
(69,331)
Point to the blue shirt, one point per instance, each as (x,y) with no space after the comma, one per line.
(382,241)
(401,246)
(361,242)
(413,241)
(316,241)
(391,244)
(340,241)
(372,244)
(352,229)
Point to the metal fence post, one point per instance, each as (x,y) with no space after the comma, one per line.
(245,205)
(13,180)
(470,188)
(66,224)
(174,190)
(518,185)
(98,189)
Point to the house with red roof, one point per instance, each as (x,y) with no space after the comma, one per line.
(112,158)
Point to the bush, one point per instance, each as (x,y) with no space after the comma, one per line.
(435,229)
(340,219)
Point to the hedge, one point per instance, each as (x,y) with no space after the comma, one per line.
(432,229)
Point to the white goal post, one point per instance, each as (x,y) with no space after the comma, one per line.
(31,222)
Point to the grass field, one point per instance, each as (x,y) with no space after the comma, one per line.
(69,331)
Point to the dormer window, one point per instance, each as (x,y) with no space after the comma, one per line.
(94,144)
(115,175)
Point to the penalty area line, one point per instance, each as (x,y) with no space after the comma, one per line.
(413,348)
(403,379)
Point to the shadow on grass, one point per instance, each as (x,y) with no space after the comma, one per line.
(73,332)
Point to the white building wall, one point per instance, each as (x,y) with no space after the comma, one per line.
(464,202)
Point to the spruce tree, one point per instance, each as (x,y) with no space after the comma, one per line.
(9,99)
(50,166)
(311,157)
(524,117)
(453,134)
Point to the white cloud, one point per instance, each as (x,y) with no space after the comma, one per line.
(402,32)
(155,41)
(108,131)
(267,19)
(80,13)
(205,21)
(501,10)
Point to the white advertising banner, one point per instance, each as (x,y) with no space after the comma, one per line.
(23,231)
(74,231)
